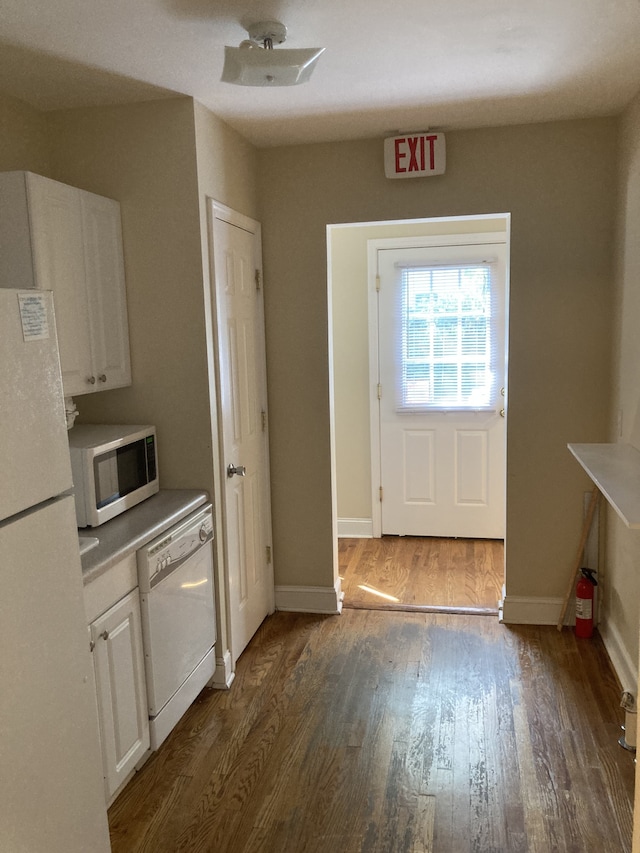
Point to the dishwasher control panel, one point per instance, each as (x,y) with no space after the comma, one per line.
(169,550)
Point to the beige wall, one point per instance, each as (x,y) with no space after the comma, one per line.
(227,164)
(558,182)
(143,155)
(349,286)
(23,137)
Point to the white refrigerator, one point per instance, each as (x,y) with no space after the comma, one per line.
(51,787)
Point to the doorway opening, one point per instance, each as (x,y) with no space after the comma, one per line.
(452,562)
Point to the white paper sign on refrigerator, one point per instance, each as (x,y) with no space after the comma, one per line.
(33,316)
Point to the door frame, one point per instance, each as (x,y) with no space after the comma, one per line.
(225,668)
(425,241)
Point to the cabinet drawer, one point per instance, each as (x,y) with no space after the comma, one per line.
(109,587)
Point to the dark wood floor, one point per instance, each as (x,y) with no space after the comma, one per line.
(382,732)
(409,572)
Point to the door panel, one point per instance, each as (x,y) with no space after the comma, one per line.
(419,464)
(472,463)
(442,464)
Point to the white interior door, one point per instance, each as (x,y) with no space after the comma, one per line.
(441,339)
(243,425)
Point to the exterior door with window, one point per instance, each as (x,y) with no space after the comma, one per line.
(441,345)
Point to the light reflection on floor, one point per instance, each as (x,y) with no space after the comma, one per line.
(377,592)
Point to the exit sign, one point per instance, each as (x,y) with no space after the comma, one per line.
(414,155)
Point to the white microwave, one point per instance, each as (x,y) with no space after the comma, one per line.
(114,468)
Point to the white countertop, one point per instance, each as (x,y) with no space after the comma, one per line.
(615,469)
(134,528)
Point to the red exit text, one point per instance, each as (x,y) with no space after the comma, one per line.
(414,155)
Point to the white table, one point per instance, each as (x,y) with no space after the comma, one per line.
(615,470)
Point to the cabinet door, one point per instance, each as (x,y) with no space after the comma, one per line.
(58,255)
(120,683)
(104,267)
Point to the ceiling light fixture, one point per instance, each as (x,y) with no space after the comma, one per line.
(256,63)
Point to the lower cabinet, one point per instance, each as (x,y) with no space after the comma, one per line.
(116,639)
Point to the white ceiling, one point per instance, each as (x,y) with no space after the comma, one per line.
(388,66)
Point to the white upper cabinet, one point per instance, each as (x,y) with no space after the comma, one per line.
(104,269)
(59,238)
(55,226)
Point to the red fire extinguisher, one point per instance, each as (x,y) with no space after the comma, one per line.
(584,603)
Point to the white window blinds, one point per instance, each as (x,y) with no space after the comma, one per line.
(447,341)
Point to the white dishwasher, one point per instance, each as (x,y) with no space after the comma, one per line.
(175,575)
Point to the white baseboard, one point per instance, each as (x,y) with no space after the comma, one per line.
(621,660)
(526,610)
(355,528)
(224,674)
(310,599)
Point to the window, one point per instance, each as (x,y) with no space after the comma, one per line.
(447,343)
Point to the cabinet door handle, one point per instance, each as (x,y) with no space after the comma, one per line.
(91,380)
(102,377)
(105,635)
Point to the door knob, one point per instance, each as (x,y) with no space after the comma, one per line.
(240,470)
